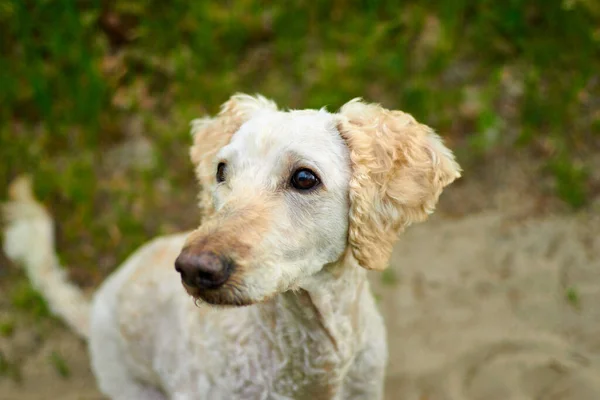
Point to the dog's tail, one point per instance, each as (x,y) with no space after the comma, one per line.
(29,241)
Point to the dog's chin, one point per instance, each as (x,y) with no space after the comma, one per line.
(226,296)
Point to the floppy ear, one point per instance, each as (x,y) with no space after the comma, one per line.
(211,134)
(399,168)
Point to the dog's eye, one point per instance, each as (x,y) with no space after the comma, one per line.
(304,179)
(221,172)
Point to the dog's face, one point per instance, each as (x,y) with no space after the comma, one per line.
(280,199)
(283,193)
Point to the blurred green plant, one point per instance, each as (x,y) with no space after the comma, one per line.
(60,365)
(570,179)
(10,369)
(7,327)
(25,298)
(573,297)
(389,277)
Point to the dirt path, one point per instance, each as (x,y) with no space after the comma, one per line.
(494,305)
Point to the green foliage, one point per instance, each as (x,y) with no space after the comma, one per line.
(570,181)
(377,298)
(57,58)
(50,64)
(389,277)
(25,298)
(10,369)
(7,328)
(59,364)
(572,296)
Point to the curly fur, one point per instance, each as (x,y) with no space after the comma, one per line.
(400,168)
(310,328)
(211,134)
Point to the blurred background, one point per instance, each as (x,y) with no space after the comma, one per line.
(96,99)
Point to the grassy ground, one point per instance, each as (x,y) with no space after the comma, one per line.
(96,96)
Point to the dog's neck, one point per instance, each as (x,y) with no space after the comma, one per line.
(306,338)
(331,301)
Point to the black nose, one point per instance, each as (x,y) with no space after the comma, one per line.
(203,270)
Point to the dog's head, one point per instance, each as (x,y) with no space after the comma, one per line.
(286,193)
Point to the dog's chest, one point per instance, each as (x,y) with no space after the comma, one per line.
(288,361)
(239,354)
(251,352)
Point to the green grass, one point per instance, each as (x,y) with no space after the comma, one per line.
(26,299)
(389,277)
(79,78)
(571,180)
(573,297)
(7,327)
(10,369)
(60,365)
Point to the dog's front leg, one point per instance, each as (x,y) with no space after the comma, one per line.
(365,379)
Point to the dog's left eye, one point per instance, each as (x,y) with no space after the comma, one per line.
(221,172)
(304,179)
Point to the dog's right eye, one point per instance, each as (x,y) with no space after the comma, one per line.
(304,179)
(221,172)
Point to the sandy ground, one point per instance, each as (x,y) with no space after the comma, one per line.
(490,307)
(499,303)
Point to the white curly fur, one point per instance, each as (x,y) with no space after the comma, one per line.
(311,329)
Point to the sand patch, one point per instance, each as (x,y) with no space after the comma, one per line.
(491,307)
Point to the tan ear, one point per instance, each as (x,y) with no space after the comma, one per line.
(211,134)
(399,168)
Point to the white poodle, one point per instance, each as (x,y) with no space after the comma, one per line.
(297,205)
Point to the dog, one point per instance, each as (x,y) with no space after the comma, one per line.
(296,207)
